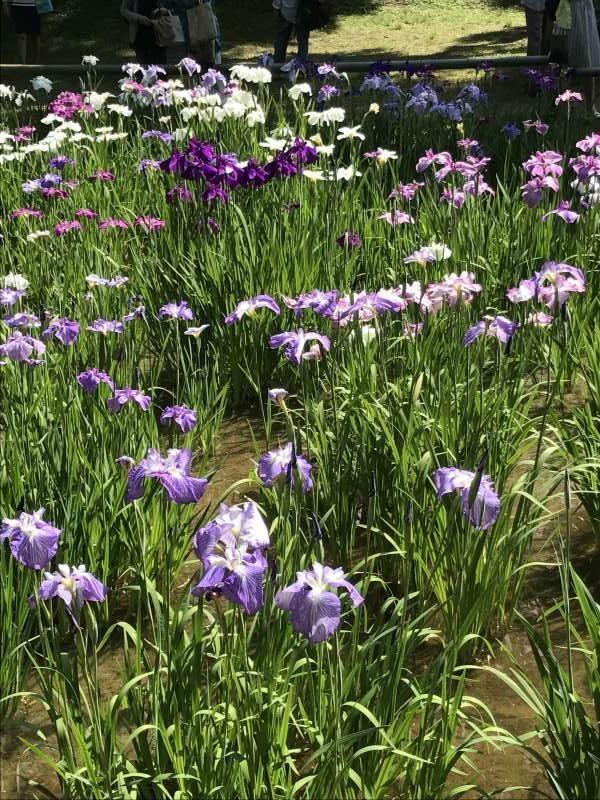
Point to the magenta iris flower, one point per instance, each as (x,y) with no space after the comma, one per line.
(284,463)
(233,526)
(21,347)
(149,224)
(112,222)
(101,175)
(123,396)
(26,212)
(498,327)
(67,225)
(545,163)
(238,575)
(172,472)
(74,586)
(183,416)
(249,307)
(90,379)
(295,342)
(349,240)
(176,311)
(106,326)
(483,510)
(32,541)
(313,602)
(63,329)
(179,193)
(23,319)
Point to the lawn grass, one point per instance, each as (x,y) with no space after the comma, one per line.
(362,28)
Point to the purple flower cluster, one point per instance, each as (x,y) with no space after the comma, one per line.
(544,169)
(67,104)
(552,285)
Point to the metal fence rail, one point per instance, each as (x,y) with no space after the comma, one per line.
(509,62)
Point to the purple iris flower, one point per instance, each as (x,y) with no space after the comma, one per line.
(73,585)
(526,290)
(498,327)
(179,193)
(171,472)
(86,213)
(63,329)
(139,312)
(294,343)
(32,541)
(314,607)
(232,527)
(9,297)
(320,302)
(21,347)
(564,212)
(189,65)
(176,311)
(112,222)
(23,319)
(106,326)
(90,379)
(284,463)
(238,575)
(101,175)
(213,192)
(349,240)
(183,416)
(164,136)
(148,223)
(483,510)
(67,225)
(368,305)
(511,131)
(123,396)
(249,307)
(28,212)
(60,162)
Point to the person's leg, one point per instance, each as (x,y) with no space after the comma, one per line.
(534,21)
(282,38)
(547,25)
(33,49)
(22,47)
(302,35)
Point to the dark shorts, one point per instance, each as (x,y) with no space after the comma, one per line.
(26,19)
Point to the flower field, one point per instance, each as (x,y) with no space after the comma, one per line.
(397,282)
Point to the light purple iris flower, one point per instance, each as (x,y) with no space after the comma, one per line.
(9,297)
(316,609)
(90,379)
(23,319)
(136,313)
(397,217)
(232,527)
(499,327)
(74,586)
(63,329)
(483,510)
(545,163)
(367,305)
(453,290)
(172,472)
(295,342)
(564,212)
(106,326)
(526,290)
(20,347)
(320,302)
(183,416)
(123,396)
(238,575)
(249,307)
(557,281)
(176,311)
(32,541)
(533,190)
(284,463)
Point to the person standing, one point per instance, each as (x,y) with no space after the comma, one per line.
(584,46)
(27,23)
(287,16)
(539,27)
(139,15)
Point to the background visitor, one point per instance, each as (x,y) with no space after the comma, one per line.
(139,14)
(539,27)
(287,14)
(27,22)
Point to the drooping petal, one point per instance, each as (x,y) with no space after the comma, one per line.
(316,615)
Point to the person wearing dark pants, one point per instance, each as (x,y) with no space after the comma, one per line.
(287,12)
(26,19)
(539,27)
(139,15)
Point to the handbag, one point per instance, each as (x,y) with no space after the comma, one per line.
(164,33)
(313,14)
(202,24)
(44,6)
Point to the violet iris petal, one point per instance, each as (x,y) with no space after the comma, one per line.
(483,512)
(33,541)
(171,472)
(249,307)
